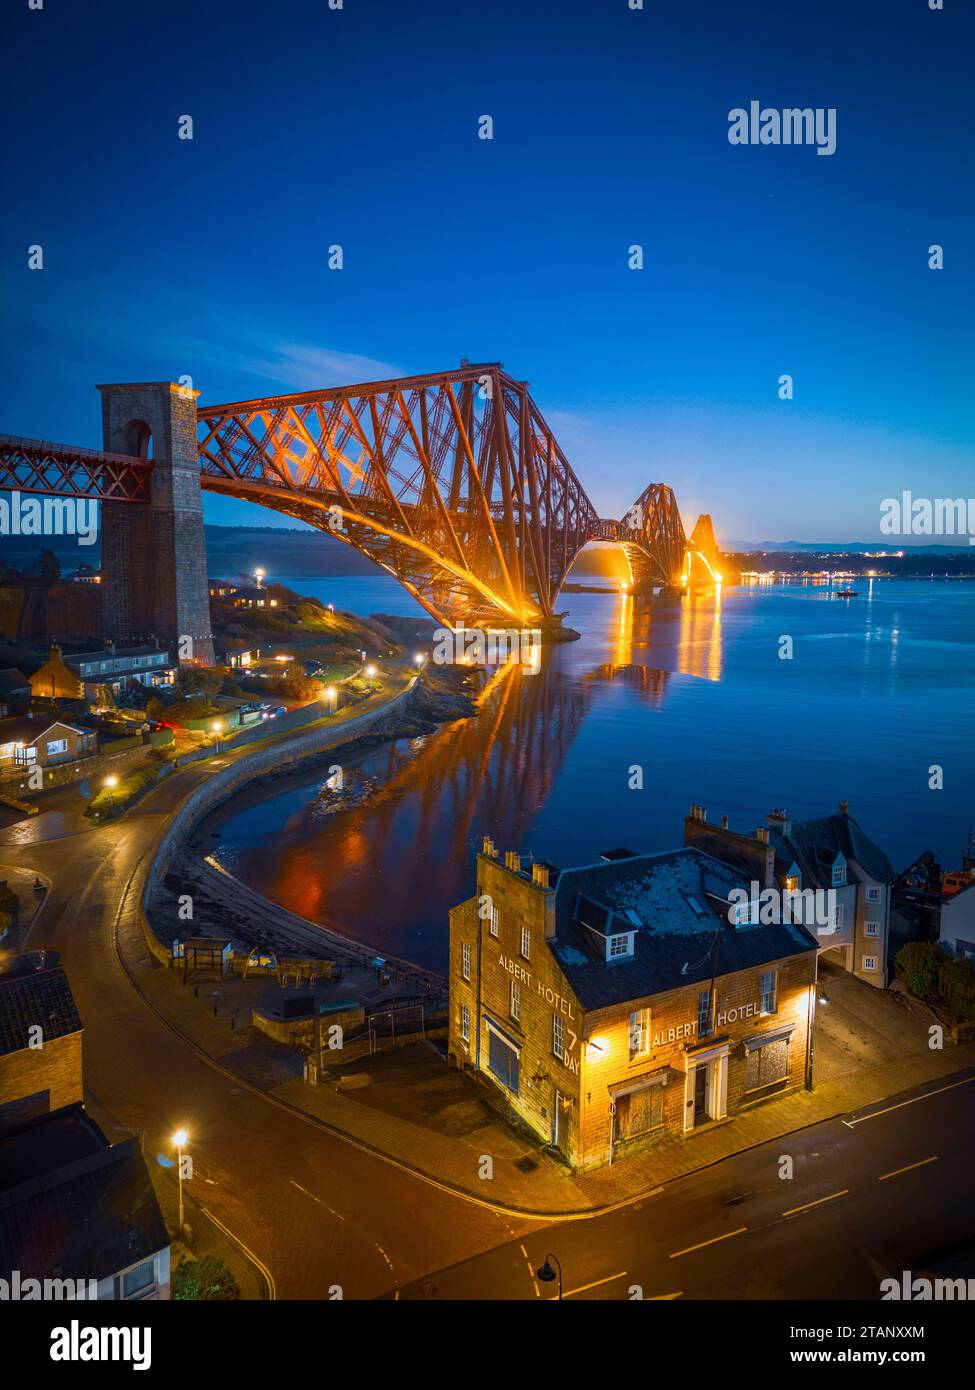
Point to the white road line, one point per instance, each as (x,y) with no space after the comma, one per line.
(316,1199)
(807,1206)
(913,1101)
(595,1284)
(910,1168)
(714,1241)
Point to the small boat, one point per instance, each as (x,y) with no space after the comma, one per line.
(845,593)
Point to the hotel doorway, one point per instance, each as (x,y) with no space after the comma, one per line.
(702,1076)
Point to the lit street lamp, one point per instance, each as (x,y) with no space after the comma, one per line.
(259,576)
(111,782)
(547,1274)
(370,673)
(217,728)
(180,1139)
(331,695)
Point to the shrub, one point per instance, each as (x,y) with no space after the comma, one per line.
(917,963)
(205,1278)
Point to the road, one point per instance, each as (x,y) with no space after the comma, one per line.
(872,1194)
(317,1212)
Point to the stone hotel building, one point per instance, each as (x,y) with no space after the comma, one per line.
(615,1004)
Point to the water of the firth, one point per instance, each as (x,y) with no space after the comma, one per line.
(877,693)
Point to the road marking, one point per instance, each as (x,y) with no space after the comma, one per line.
(727,1236)
(318,1200)
(531,1271)
(664,1297)
(910,1168)
(818,1203)
(272,1290)
(913,1101)
(594,1285)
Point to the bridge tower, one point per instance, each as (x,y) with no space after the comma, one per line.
(154,583)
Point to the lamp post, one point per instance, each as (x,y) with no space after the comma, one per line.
(179,1139)
(111,782)
(331,695)
(370,673)
(217,727)
(547,1274)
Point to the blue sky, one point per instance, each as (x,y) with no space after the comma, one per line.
(359,127)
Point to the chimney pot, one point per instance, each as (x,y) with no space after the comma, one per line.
(512,860)
(724,822)
(540,875)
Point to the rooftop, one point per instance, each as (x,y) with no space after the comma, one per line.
(71,1205)
(676,904)
(34,990)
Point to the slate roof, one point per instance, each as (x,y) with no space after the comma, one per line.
(20,728)
(814,845)
(30,996)
(673,898)
(11,679)
(71,1205)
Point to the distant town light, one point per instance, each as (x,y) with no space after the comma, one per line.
(111,781)
(259,576)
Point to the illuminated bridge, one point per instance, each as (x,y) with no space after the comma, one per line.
(452,482)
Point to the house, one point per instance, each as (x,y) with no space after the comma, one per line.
(38,741)
(78,1216)
(53,680)
(831,859)
(115,668)
(86,574)
(619,1003)
(34,1080)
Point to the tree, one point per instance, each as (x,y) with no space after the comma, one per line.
(206,1278)
(50,566)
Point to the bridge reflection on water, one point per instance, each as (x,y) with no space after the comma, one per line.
(384,858)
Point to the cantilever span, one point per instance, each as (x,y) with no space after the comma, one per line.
(453,482)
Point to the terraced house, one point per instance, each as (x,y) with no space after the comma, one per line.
(618,1003)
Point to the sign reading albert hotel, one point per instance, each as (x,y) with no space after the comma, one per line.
(722,1019)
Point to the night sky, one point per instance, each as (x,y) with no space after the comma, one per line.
(358,127)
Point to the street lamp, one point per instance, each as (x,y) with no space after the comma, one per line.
(217,728)
(111,782)
(370,672)
(331,695)
(547,1274)
(180,1139)
(259,576)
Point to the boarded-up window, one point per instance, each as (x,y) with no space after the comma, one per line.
(639,1111)
(766,1065)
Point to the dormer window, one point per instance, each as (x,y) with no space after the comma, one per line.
(839,873)
(620,945)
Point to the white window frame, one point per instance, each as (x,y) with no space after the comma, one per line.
(873,893)
(56,746)
(526,943)
(465,960)
(772,975)
(558,1037)
(839,876)
(492,921)
(866,966)
(871,928)
(626,937)
(640,1033)
(514,1002)
(465,1023)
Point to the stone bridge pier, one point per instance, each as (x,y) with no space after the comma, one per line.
(154,574)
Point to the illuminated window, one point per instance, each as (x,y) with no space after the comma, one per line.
(639,1033)
(768,992)
(515,1006)
(526,943)
(558,1037)
(465,967)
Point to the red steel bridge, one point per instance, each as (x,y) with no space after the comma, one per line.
(453,482)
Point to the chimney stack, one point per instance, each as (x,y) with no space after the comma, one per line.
(540,875)
(488,849)
(724,822)
(512,861)
(844,808)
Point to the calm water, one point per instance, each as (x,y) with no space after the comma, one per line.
(694,692)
